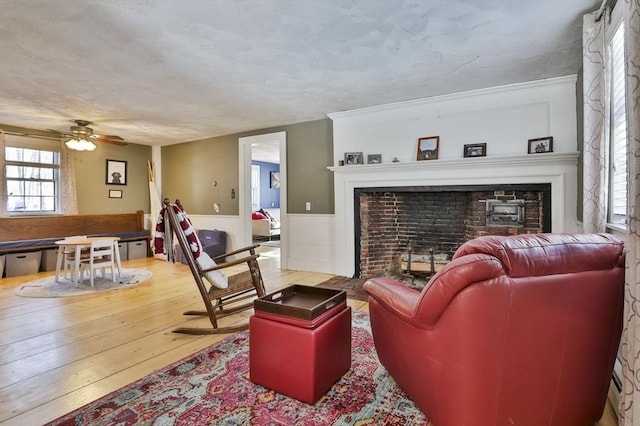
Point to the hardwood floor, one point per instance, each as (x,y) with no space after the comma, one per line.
(58,354)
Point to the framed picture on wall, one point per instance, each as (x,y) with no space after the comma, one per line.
(115,193)
(274,181)
(116,172)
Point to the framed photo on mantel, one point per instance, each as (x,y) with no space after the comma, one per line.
(374,158)
(475,150)
(540,145)
(428,148)
(351,158)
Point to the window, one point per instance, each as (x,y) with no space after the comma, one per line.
(618,131)
(255,187)
(32,177)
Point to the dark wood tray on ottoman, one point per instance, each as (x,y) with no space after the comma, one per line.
(300,301)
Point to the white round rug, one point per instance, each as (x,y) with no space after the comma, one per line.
(48,287)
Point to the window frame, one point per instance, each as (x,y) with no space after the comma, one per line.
(20,142)
(614,26)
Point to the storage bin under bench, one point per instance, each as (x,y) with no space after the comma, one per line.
(22,263)
(20,257)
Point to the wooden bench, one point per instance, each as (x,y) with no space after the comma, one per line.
(24,234)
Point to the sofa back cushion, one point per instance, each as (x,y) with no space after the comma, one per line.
(549,254)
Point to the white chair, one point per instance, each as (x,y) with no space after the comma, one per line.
(69,258)
(101,256)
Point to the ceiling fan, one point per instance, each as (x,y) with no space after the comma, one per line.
(80,137)
(81,131)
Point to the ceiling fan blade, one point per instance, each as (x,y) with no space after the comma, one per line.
(110,139)
(81,131)
(58,132)
(114,137)
(51,136)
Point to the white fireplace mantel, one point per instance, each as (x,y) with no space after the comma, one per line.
(558,169)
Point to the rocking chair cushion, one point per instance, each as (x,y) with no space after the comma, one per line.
(216,278)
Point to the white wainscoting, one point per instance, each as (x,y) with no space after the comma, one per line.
(230,224)
(310,238)
(311,242)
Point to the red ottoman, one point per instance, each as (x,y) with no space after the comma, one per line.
(300,358)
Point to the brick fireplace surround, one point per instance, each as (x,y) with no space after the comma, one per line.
(552,175)
(423,220)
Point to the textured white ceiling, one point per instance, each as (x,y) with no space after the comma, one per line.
(166,71)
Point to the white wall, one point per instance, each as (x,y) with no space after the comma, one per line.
(503,117)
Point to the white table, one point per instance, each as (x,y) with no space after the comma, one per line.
(77,244)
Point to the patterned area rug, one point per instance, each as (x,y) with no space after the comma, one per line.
(212,387)
(48,287)
(353,286)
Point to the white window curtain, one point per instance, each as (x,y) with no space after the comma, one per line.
(595,184)
(68,195)
(3,187)
(630,411)
(595,124)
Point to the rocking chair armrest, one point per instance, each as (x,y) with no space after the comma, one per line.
(232,263)
(240,250)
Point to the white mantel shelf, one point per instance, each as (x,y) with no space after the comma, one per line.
(546,159)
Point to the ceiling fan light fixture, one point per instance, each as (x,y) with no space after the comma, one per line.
(80,144)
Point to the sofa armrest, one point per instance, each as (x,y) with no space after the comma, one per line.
(393,295)
(423,308)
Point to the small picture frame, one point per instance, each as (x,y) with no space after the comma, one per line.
(116,172)
(374,158)
(428,148)
(475,150)
(351,158)
(274,180)
(115,193)
(540,145)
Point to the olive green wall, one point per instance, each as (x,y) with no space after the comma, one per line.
(92,190)
(191,170)
(309,152)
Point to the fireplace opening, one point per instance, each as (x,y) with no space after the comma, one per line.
(411,232)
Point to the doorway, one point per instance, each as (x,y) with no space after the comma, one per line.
(269,151)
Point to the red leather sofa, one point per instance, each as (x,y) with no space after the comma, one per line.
(519,330)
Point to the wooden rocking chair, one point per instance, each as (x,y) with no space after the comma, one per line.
(242,286)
